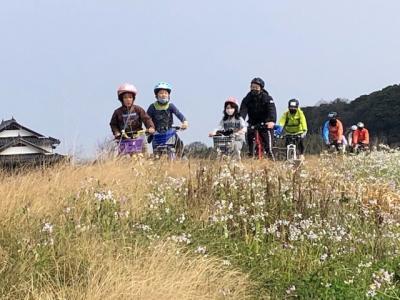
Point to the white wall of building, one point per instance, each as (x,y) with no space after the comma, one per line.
(14,133)
(47,148)
(20,150)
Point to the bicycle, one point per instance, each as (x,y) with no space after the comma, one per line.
(164,143)
(291,141)
(337,148)
(257,150)
(288,151)
(360,148)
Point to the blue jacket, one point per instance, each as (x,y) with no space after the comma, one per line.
(162,115)
(325,132)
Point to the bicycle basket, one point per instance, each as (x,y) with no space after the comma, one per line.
(131,146)
(223,143)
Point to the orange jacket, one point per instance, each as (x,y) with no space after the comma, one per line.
(336,132)
(361,136)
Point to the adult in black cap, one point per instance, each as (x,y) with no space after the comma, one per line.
(260,108)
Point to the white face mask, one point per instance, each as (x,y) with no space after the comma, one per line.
(230,111)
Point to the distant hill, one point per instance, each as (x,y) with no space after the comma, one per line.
(380,112)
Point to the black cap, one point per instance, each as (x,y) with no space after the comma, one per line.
(258,81)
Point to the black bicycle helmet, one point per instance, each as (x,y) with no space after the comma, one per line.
(293,103)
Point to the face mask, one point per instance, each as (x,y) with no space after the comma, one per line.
(230,111)
(292,111)
(255,92)
(163,101)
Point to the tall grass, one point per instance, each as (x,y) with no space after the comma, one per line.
(138,229)
(67,233)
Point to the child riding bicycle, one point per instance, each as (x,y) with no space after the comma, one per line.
(127,120)
(231,129)
(162,112)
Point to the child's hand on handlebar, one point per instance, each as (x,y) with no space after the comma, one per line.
(124,135)
(151,130)
(184,125)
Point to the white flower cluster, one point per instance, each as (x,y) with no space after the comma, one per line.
(48,228)
(201,250)
(380,279)
(169,185)
(183,238)
(104,196)
(143,227)
(291,290)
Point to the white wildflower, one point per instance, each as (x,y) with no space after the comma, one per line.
(183,238)
(323,257)
(47,227)
(201,250)
(144,227)
(348,282)
(291,289)
(226,262)
(181,219)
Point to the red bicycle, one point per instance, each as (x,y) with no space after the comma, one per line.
(258,148)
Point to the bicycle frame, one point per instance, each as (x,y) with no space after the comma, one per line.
(291,147)
(258,149)
(164,143)
(361,148)
(258,144)
(335,147)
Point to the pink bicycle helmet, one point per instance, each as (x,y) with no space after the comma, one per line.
(126,88)
(231,100)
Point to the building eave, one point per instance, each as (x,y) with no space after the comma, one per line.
(23,141)
(5,124)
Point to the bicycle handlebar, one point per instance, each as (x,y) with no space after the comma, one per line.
(132,134)
(292,135)
(261,125)
(228,132)
(175,127)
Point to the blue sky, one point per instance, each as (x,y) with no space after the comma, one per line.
(61,61)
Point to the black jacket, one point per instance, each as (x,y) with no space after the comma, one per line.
(260,108)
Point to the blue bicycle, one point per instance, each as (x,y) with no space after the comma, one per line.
(165,143)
